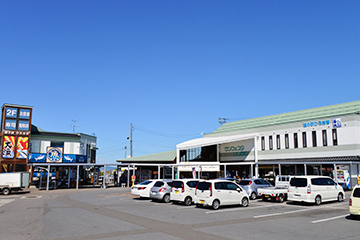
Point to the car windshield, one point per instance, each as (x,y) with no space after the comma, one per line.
(145,183)
(203,186)
(244,182)
(298,182)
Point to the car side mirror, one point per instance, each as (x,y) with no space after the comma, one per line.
(238,189)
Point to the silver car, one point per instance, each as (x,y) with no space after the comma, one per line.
(161,190)
(251,186)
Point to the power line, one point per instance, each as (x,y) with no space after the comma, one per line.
(169,135)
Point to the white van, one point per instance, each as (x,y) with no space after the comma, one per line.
(183,190)
(220,192)
(314,189)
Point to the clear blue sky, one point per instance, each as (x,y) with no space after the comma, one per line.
(173,67)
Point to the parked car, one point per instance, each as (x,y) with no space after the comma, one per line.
(161,190)
(220,192)
(354,203)
(251,185)
(143,189)
(314,189)
(183,190)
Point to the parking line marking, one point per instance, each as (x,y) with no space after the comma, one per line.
(282,213)
(236,209)
(329,219)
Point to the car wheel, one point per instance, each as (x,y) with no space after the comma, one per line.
(188,201)
(317,200)
(6,191)
(166,198)
(245,202)
(253,195)
(281,198)
(340,197)
(216,204)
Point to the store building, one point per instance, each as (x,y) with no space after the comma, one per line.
(319,141)
(67,156)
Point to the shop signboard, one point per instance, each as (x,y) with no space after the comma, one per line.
(236,151)
(8,147)
(16,131)
(22,147)
(54,155)
(37,158)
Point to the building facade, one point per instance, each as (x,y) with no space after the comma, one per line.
(319,141)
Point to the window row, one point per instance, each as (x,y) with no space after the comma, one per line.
(296,140)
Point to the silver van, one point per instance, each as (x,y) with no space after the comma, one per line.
(314,189)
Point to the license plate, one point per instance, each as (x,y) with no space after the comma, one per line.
(176,191)
(297,195)
(202,201)
(267,195)
(154,192)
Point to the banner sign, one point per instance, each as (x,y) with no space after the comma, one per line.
(9,147)
(22,147)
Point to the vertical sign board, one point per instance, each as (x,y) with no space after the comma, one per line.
(15,133)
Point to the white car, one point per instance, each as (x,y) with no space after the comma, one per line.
(183,190)
(314,189)
(220,192)
(354,203)
(143,189)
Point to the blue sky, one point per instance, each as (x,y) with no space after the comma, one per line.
(171,68)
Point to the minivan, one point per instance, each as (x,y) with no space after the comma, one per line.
(314,189)
(354,203)
(220,192)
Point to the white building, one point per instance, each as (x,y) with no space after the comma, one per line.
(308,142)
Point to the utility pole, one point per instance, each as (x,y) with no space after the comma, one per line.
(131,129)
(125,151)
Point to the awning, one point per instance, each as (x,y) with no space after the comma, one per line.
(208,141)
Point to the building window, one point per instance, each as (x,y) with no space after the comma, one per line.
(278,141)
(287,141)
(57,144)
(270,143)
(314,138)
(263,143)
(296,140)
(334,134)
(324,134)
(304,139)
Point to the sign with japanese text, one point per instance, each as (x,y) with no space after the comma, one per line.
(54,155)
(8,147)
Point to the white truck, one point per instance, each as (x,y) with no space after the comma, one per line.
(277,193)
(13,181)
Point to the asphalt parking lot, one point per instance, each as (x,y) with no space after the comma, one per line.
(113,213)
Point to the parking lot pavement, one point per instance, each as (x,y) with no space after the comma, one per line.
(116,214)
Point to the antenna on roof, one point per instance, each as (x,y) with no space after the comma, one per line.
(222,120)
(74,126)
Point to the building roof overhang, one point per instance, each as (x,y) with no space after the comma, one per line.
(208,141)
